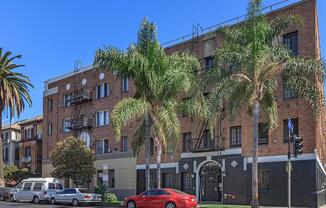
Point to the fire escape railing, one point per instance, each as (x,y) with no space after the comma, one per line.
(80,123)
(205,141)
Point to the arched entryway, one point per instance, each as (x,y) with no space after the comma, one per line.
(209,183)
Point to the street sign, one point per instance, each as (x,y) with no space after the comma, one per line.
(105,166)
(105,177)
(290,125)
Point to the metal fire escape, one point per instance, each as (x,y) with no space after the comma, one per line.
(78,122)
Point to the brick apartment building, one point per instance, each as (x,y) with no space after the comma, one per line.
(79,104)
(218,168)
(214,168)
(30,145)
(10,138)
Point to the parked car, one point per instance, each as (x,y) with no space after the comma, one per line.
(161,198)
(76,196)
(35,189)
(4,194)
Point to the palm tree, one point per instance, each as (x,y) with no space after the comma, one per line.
(14,92)
(159,80)
(248,66)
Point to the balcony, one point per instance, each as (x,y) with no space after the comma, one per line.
(80,123)
(204,145)
(80,96)
(26,159)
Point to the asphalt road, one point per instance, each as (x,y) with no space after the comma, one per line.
(30,205)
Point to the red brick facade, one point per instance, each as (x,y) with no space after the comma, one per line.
(310,129)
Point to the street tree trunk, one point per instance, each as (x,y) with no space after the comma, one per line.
(158,161)
(147,150)
(1,153)
(254,178)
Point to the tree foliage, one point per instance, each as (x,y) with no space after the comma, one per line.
(72,159)
(248,67)
(13,175)
(14,91)
(159,81)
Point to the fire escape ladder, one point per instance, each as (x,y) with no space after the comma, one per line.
(201,134)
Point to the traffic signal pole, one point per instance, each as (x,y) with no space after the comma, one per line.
(289,169)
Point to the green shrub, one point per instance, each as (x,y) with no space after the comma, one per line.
(110,198)
(100,189)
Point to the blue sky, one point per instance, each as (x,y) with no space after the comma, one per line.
(52,34)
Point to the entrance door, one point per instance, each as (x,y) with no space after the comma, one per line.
(210,178)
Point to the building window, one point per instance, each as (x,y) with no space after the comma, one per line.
(67,100)
(111,179)
(186,181)
(124,144)
(290,40)
(263,181)
(5,137)
(99,175)
(125,84)
(295,122)
(187,142)
(207,140)
(102,146)
(288,93)
(50,128)
(153,180)
(262,133)
(151,146)
(235,136)
(167,180)
(102,90)
(209,62)
(16,154)
(6,155)
(66,125)
(28,152)
(102,118)
(50,104)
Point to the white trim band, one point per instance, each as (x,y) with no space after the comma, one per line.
(154,166)
(231,151)
(283,158)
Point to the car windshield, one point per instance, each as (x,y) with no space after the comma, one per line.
(178,191)
(85,191)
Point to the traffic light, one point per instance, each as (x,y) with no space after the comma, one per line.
(298,146)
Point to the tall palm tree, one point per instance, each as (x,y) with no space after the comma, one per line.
(248,66)
(159,80)
(14,92)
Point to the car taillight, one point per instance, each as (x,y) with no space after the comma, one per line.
(87,197)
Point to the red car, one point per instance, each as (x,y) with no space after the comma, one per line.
(161,198)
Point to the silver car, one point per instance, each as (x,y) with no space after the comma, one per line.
(75,196)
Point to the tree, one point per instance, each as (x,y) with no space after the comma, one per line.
(248,66)
(72,159)
(159,81)
(14,92)
(13,175)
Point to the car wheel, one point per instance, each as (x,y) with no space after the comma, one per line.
(2,198)
(52,201)
(131,204)
(12,198)
(36,200)
(170,205)
(75,202)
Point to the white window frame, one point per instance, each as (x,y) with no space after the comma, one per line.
(125,84)
(66,124)
(102,90)
(102,118)
(102,147)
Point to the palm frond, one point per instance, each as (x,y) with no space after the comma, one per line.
(127,111)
